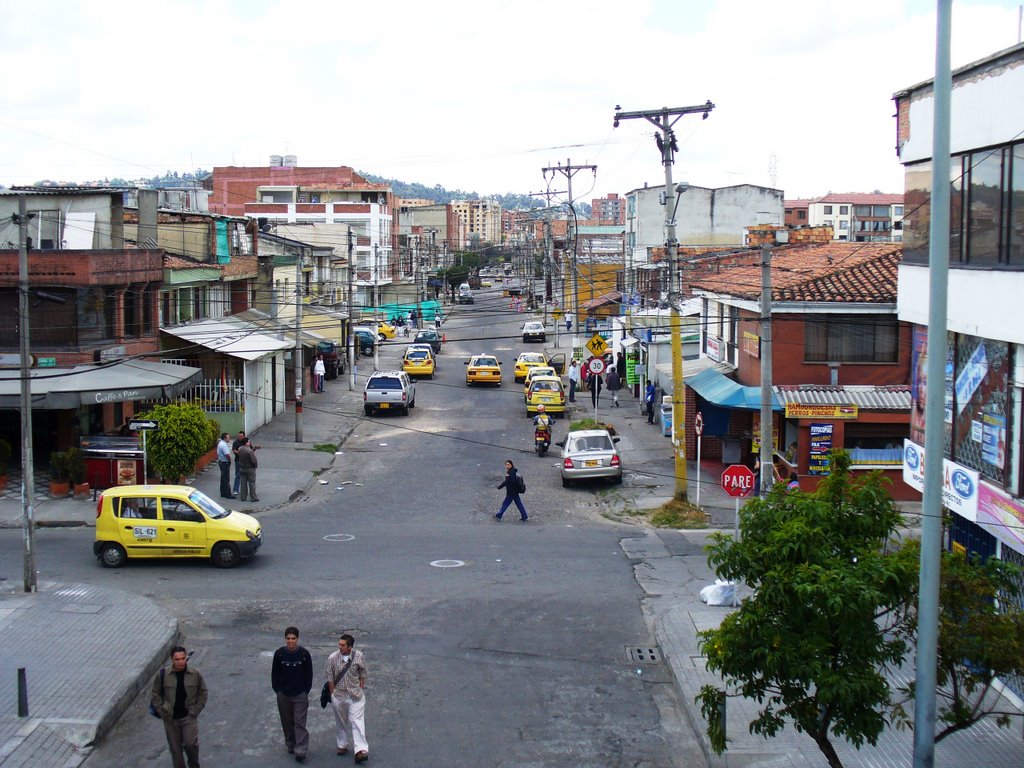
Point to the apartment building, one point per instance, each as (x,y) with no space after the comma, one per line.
(610,209)
(855,217)
(481,221)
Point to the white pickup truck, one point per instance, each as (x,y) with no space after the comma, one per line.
(389,391)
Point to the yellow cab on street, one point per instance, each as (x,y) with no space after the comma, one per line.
(540,370)
(149,521)
(526,361)
(483,369)
(547,391)
(419,361)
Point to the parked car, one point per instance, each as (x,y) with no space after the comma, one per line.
(534,331)
(527,360)
(148,521)
(465,297)
(334,360)
(419,362)
(547,391)
(431,337)
(483,369)
(382,330)
(588,454)
(389,391)
(365,340)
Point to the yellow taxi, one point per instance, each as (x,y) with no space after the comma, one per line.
(526,361)
(486,284)
(387,330)
(418,361)
(483,369)
(148,521)
(540,370)
(547,391)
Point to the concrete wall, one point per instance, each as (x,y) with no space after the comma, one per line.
(106,210)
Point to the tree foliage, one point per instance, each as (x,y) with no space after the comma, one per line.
(981,636)
(813,642)
(185,434)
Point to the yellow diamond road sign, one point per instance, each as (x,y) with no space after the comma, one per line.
(597,345)
(557,314)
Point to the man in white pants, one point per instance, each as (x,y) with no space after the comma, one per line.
(346,678)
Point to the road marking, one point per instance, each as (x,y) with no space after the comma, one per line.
(339,537)
(448,563)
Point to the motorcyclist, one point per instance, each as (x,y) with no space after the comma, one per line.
(542,422)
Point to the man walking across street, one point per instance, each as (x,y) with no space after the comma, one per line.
(178,695)
(346,679)
(614,384)
(291,676)
(224,463)
(649,401)
(574,380)
(247,463)
(568,322)
(596,384)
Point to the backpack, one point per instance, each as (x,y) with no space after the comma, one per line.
(522,483)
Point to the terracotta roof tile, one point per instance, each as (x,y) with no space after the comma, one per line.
(860,198)
(240,267)
(836,272)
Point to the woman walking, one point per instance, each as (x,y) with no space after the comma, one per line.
(513,487)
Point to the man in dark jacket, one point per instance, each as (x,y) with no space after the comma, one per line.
(291,676)
(178,695)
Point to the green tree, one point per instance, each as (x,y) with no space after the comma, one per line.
(185,434)
(813,642)
(981,637)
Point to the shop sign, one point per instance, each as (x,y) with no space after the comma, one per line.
(993,439)
(752,344)
(959,483)
(1001,515)
(809,411)
(755,433)
(632,374)
(820,462)
(714,349)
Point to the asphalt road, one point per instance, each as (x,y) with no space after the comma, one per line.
(516,653)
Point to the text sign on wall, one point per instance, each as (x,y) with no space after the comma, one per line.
(959,483)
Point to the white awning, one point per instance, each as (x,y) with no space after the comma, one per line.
(231,336)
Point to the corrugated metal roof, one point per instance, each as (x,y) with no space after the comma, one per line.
(230,336)
(870,398)
(58,191)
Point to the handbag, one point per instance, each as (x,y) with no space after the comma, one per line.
(325,692)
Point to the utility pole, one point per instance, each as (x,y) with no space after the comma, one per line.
(767,444)
(569,170)
(351,334)
(663,119)
(300,367)
(28,523)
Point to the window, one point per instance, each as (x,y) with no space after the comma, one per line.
(844,210)
(828,210)
(844,225)
(95,314)
(801,214)
(828,222)
(851,339)
(984,207)
(142,508)
(897,210)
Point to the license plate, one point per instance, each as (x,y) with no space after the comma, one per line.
(547,399)
(591,463)
(484,373)
(385,405)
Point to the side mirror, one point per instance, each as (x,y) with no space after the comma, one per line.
(616,439)
(466,363)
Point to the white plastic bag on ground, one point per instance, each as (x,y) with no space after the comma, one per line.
(719,593)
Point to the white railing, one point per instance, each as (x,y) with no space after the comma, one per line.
(217,396)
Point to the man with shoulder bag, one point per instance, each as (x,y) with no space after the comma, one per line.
(346,680)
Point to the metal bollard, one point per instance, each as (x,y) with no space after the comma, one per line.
(22,693)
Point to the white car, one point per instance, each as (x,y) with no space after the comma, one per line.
(534,331)
(589,454)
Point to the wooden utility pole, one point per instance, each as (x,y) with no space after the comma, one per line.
(28,523)
(569,170)
(663,119)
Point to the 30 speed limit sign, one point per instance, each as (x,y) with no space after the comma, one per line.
(596,365)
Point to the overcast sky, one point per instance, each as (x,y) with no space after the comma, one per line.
(477,96)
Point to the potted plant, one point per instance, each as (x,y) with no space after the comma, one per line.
(5,458)
(59,485)
(76,472)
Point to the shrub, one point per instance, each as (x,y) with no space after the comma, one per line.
(185,434)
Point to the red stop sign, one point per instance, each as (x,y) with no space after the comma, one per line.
(738,480)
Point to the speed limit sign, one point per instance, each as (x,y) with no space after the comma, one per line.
(596,365)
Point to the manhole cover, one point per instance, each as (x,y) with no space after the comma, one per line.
(643,654)
(448,563)
(339,537)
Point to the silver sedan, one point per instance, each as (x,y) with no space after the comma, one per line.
(588,454)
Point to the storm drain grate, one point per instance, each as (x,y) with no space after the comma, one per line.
(643,654)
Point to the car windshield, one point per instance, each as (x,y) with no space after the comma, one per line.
(417,354)
(534,357)
(208,505)
(486,361)
(591,443)
(383,383)
(545,386)
(541,371)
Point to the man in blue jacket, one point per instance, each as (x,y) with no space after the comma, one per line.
(291,676)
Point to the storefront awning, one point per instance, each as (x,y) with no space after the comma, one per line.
(723,391)
(231,336)
(55,389)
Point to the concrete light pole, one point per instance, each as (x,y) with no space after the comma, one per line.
(663,119)
(27,468)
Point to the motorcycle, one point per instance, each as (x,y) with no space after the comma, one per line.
(541,441)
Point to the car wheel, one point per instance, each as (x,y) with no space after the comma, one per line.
(225,555)
(412,403)
(368,409)
(617,480)
(113,556)
(382,338)
(565,482)
(405,411)
(469,383)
